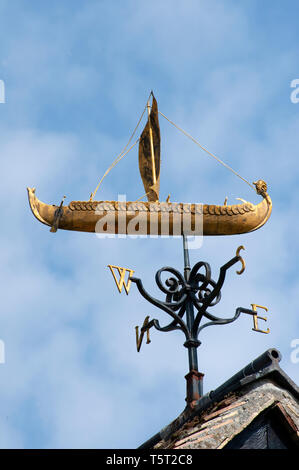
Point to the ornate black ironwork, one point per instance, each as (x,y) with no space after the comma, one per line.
(195,290)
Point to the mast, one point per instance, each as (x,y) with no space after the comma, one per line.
(151,143)
(149,152)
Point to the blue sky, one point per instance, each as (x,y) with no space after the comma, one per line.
(77,75)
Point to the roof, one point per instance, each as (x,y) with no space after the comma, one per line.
(224,413)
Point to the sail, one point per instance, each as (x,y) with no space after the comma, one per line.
(149,154)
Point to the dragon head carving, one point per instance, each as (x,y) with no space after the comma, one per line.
(261,187)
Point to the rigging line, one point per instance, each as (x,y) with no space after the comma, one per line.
(139,199)
(207,151)
(118,159)
(122,154)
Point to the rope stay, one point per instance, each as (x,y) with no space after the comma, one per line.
(206,150)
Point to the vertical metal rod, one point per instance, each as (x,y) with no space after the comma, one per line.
(193,378)
(192,351)
(187,268)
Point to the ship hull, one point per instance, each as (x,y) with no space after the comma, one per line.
(145,218)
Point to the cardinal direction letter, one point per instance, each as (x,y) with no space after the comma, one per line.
(122,278)
(139,338)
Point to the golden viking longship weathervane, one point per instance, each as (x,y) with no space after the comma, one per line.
(188,295)
(85,216)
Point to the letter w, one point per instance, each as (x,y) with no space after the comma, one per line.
(121,282)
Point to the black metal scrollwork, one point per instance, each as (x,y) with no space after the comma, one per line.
(187,299)
(196,290)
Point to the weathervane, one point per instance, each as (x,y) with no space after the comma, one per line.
(188,296)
